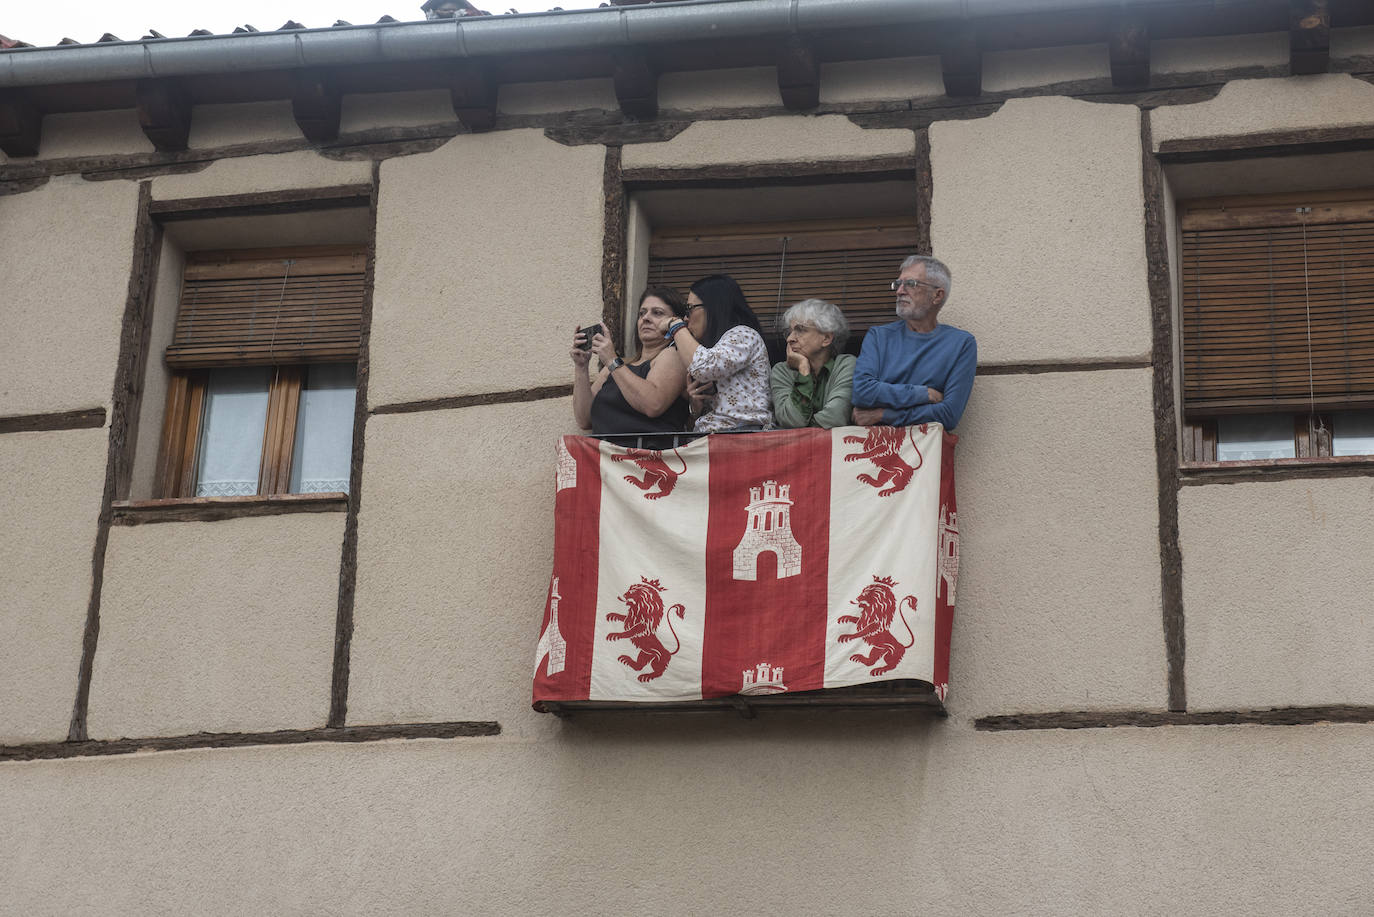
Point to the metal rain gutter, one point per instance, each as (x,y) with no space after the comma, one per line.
(554,31)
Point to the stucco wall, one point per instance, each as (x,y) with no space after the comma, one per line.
(455,544)
(67,249)
(92,133)
(697,90)
(1195,55)
(887,78)
(217,627)
(50,488)
(249,174)
(825,815)
(1059,598)
(488,252)
(1038,210)
(1257,106)
(781,139)
(1276,585)
(560,95)
(153,411)
(242,122)
(1004,70)
(395,109)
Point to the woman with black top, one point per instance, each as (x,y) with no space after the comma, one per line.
(643,395)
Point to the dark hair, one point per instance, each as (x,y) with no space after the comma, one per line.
(674,300)
(671,298)
(726,307)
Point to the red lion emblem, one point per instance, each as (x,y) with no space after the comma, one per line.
(656,471)
(878,606)
(882,446)
(645,603)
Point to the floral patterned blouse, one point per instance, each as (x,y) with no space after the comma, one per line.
(738,364)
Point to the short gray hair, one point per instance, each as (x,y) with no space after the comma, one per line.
(936,271)
(825,315)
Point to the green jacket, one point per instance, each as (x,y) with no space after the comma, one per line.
(822,400)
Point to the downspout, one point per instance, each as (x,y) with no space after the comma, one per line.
(559,30)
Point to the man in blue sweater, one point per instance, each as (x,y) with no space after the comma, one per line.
(915,370)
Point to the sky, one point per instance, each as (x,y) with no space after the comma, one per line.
(86,20)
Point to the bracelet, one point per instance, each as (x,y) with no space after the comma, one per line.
(673,329)
(614,365)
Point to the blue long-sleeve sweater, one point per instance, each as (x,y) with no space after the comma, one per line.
(896,365)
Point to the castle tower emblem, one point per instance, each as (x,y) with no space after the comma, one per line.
(768,527)
(763,679)
(949,551)
(566,473)
(551,642)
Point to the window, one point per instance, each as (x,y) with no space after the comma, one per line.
(848,262)
(1278,326)
(263,361)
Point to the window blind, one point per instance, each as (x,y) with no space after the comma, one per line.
(254,308)
(778,265)
(1277,307)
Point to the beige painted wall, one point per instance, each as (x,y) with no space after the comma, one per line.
(488,252)
(242,122)
(249,174)
(1059,597)
(700,90)
(395,109)
(788,138)
(67,249)
(560,95)
(92,133)
(51,485)
(1195,55)
(1352,42)
(818,815)
(1276,585)
(888,78)
(1003,70)
(153,411)
(455,545)
(1038,211)
(217,626)
(1257,106)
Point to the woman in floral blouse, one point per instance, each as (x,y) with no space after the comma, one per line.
(721,345)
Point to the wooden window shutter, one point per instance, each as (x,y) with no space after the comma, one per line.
(849,263)
(255,307)
(1278,304)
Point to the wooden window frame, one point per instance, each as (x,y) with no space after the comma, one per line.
(1313,431)
(179,455)
(188,388)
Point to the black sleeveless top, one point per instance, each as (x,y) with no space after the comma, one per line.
(611,413)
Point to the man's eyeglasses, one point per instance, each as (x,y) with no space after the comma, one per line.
(911,285)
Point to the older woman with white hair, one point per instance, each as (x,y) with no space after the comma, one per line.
(815,386)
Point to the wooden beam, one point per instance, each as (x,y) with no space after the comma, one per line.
(961,60)
(1128,48)
(21,125)
(472,90)
(164,113)
(1309,36)
(799,73)
(636,84)
(316,104)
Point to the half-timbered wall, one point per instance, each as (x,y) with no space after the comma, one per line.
(1159,697)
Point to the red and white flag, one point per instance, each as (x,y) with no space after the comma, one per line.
(751,564)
